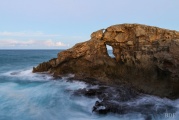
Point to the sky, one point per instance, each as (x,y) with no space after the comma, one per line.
(60,24)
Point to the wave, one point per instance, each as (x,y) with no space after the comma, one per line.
(26,75)
(45,98)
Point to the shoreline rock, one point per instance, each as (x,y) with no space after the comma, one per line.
(123,99)
(146,58)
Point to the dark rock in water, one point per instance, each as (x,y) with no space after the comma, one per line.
(124,100)
(57,77)
(88,80)
(92,92)
(109,97)
(113,106)
(122,92)
(15,73)
(146,57)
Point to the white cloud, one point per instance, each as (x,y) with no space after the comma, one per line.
(27,34)
(51,43)
(12,42)
(38,43)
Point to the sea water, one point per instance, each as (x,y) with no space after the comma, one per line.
(30,96)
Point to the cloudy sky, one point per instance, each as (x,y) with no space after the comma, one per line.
(59,24)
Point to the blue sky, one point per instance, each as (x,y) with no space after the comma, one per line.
(59,24)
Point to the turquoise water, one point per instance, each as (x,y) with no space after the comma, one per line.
(30,96)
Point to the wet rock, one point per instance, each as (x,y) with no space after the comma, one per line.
(125,107)
(57,77)
(15,73)
(113,100)
(88,92)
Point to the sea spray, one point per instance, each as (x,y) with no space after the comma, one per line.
(30,96)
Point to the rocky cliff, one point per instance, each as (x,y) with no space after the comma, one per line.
(146,58)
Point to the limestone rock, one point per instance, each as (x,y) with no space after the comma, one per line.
(146,57)
(98,34)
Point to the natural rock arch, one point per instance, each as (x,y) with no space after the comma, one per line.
(143,55)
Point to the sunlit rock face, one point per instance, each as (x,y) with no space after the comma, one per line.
(146,57)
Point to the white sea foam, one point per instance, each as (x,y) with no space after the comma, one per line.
(26,74)
(151,99)
(54,100)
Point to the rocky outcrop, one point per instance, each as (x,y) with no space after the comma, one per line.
(123,100)
(146,57)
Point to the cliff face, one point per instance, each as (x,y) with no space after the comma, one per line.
(146,57)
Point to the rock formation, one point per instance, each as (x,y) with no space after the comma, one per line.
(146,57)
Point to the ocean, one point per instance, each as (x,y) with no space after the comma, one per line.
(31,96)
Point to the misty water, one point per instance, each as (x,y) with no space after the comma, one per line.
(30,96)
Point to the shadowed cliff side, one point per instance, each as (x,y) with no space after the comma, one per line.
(146,57)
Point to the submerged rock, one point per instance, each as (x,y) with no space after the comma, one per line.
(124,100)
(146,57)
(14,73)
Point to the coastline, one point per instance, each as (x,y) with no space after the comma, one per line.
(145,58)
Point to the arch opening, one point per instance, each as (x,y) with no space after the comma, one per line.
(110,51)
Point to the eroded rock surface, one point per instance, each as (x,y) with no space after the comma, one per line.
(146,57)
